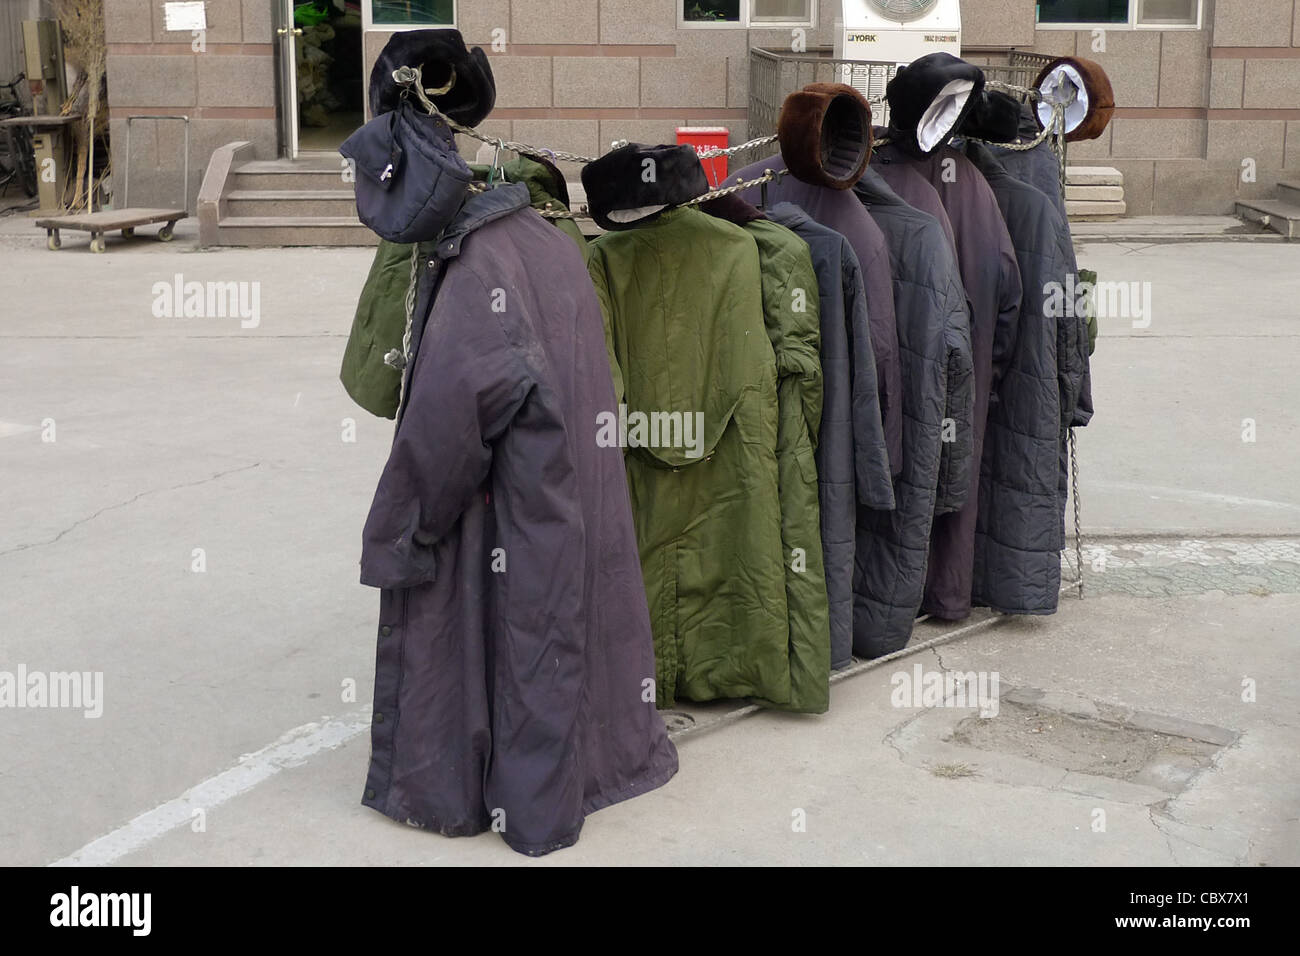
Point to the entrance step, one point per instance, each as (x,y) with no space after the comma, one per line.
(246,201)
(295,231)
(1290,191)
(1093,176)
(1280,215)
(1094,193)
(291,202)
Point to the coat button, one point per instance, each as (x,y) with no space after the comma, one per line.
(370,794)
(386,631)
(379,718)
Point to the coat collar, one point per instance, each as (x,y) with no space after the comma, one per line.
(985,161)
(874,191)
(477,211)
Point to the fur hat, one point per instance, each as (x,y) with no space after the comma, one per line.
(994,117)
(438,53)
(825,134)
(619,195)
(1089,115)
(929,99)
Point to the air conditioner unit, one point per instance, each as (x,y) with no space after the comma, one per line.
(898,31)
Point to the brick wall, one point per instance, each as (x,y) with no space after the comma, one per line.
(1193,104)
(578,74)
(228,91)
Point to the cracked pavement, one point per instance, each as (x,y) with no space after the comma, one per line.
(242,689)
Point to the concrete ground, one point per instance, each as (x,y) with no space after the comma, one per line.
(1153,722)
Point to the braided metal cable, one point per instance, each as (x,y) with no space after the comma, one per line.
(732,150)
(1078,520)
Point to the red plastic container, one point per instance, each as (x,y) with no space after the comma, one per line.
(703,138)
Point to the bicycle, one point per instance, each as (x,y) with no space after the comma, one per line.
(20,163)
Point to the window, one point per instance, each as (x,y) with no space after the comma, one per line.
(403,13)
(1123,14)
(747,13)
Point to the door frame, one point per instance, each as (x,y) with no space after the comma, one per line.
(286,36)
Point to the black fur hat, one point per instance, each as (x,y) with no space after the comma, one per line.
(929,98)
(634,184)
(437,53)
(995,117)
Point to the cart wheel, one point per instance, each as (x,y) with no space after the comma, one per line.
(128,232)
(52,242)
(97,244)
(165,234)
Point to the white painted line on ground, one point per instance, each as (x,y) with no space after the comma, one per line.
(291,750)
(1188,495)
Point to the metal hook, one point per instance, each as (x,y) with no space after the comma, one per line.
(496,162)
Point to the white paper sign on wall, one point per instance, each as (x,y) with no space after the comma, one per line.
(187,15)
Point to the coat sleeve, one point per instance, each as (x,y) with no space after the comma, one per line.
(1073,345)
(957,447)
(879,284)
(1010,295)
(870,450)
(466,384)
(596,268)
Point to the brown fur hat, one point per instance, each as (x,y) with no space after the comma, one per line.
(1096,86)
(825,134)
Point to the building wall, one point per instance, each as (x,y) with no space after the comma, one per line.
(577,74)
(1194,105)
(228,90)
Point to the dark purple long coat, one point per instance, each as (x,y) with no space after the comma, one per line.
(513,679)
(991,276)
(841,211)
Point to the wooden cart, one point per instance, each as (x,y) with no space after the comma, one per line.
(124,220)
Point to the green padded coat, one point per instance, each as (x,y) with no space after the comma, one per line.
(683,299)
(380,319)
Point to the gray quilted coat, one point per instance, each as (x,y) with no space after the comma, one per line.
(851,452)
(935,345)
(1019,534)
(991,279)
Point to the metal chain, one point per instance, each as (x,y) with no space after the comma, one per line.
(394,359)
(409,77)
(1078,520)
(769,176)
(732,150)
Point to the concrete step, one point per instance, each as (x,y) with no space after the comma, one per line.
(280,174)
(1087,210)
(1289,191)
(1277,214)
(1095,193)
(1093,176)
(329,203)
(294,231)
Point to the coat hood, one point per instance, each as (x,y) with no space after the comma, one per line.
(634,184)
(929,99)
(443,58)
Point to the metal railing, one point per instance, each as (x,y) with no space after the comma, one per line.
(774,75)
